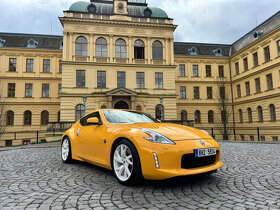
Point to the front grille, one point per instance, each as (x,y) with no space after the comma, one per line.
(190,161)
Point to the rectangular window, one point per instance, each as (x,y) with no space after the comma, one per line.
(12,64)
(182,70)
(11,90)
(209,93)
(256,59)
(45,90)
(236,68)
(247,86)
(101,79)
(242,138)
(59,89)
(159,80)
(252,138)
(262,138)
(60,67)
(196,93)
(221,71)
(269,82)
(275,138)
(266,54)
(208,71)
(121,79)
(28,90)
(29,65)
(238,89)
(80,79)
(258,85)
(183,92)
(245,64)
(195,70)
(278,47)
(46,65)
(222,93)
(140,80)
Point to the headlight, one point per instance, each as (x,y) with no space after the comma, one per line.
(156,137)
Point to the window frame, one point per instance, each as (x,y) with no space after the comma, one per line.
(121,79)
(80,78)
(267,57)
(28,90)
(46,65)
(157,51)
(196,92)
(30,65)
(183,93)
(140,80)
(101,79)
(120,49)
(101,52)
(158,80)
(82,50)
(182,70)
(11,90)
(45,90)
(195,70)
(12,64)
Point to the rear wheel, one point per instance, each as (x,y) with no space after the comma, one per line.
(66,153)
(126,163)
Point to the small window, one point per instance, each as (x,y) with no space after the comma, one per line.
(80,111)
(157,50)
(262,138)
(247,86)
(81,46)
(238,89)
(196,92)
(182,70)
(195,71)
(209,93)
(256,59)
(183,92)
(240,116)
(120,48)
(60,67)
(29,65)
(28,90)
(184,115)
(266,54)
(252,138)
(9,118)
(121,80)
(58,116)
(80,79)
(46,65)
(101,79)
(139,49)
(236,68)
(44,117)
(260,113)
(193,51)
(159,112)
(218,52)
(258,85)
(272,112)
(140,80)
(269,82)
(197,116)
(45,90)
(59,89)
(250,116)
(13,64)
(158,80)
(11,90)
(211,116)
(245,64)
(27,118)
(208,71)
(242,138)
(275,138)
(101,48)
(221,71)
(278,47)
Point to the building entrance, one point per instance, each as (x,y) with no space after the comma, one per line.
(121,105)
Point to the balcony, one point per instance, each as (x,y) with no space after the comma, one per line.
(121,60)
(101,59)
(81,58)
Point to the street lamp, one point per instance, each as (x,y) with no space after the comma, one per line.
(85,100)
(161,108)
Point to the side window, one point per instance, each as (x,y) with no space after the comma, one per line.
(83,121)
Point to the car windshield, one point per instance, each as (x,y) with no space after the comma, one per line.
(127,117)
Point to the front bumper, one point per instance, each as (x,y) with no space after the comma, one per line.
(169,159)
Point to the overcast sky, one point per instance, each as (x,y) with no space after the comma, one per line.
(207,21)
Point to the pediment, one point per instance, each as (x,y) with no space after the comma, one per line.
(121,92)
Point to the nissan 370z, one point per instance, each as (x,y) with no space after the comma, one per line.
(136,146)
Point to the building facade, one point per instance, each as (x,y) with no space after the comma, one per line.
(121,54)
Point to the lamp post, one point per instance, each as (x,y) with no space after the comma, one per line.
(161,108)
(85,101)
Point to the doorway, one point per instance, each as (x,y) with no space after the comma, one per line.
(121,105)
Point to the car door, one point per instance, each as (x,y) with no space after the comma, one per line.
(91,139)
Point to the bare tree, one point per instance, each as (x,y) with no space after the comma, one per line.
(224,107)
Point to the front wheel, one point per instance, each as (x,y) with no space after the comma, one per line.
(126,163)
(66,153)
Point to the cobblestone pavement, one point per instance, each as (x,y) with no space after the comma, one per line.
(36,178)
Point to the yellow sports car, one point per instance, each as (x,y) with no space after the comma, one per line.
(136,146)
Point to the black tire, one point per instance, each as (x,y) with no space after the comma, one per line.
(69,156)
(136,175)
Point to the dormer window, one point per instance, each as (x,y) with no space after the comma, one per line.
(258,34)
(147,13)
(218,52)
(31,43)
(91,8)
(193,51)
(61,45)
(2,42)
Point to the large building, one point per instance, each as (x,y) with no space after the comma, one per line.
(121,54)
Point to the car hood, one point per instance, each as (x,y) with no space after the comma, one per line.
(175,132)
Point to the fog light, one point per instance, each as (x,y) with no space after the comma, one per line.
(156,160)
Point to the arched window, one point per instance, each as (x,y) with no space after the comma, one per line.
(159,110)
(101,48)
(103,107)
(260,113)
(80,111)
(184,115)
(211,116)
(197,116)
(10,118)
(27,120)
(120,48)
(250,116)
(272,112)
(139,49)
(81,46)
(44,117)
(240,116)
(157,50)
(58,116)
(139,108)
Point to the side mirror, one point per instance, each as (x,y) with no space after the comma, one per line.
(93,121)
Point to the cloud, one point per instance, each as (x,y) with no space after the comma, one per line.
(211,21)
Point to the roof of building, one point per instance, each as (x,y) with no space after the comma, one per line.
(23,41)
(106,7)
(202,49)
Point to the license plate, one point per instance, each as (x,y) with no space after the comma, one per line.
(205,152)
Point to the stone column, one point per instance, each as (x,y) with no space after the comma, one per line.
(149,48)
(71,47)
(90,47)
(65,46)
(166,53)
(111,49)
(130,48)
(172,51)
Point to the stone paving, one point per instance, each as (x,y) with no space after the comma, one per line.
(35,178)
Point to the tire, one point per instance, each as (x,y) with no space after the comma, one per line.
(66,152)
(126,163)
